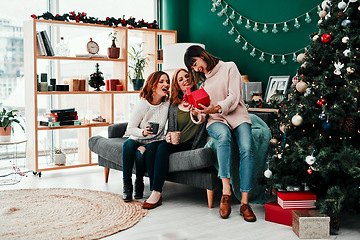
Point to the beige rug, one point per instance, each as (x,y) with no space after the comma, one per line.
(63,213)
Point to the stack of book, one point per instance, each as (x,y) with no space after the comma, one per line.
(43,44)
(61,117)
(281,211)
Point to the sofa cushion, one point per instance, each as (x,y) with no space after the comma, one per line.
(108,148)
(192,159)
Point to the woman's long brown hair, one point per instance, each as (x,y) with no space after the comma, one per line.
(176,95)
(150,84)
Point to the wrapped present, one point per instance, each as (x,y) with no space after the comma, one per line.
(300,199)
(196,97)
(310,224)
(275,213)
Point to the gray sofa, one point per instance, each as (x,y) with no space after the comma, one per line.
(193,167)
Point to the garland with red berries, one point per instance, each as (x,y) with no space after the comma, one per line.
(109,21)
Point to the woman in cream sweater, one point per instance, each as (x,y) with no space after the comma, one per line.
(227,116)
(152,107)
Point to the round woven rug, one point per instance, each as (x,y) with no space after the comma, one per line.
(63,213)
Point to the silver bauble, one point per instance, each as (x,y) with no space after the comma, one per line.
(268,173)
(297,120)
(310,160)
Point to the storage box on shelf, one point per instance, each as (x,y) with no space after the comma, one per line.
(76,65)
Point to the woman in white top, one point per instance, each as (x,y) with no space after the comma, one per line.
(152,107)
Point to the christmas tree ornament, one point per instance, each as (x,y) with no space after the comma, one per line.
(307,92)
(347,124)
(327,126)
(346,23)
(316,37)
(295,80)
(310,160)
(346,52)
(282,128)
(353,1)
(338,66)
(297,120)
(301,86)
(274,142)
(326,4)
(345,39)
(322,116)
(326,38)
(309,171)
(350,70)
(300,57)
(322,13)
(342,5)
(321,102)
(268,173)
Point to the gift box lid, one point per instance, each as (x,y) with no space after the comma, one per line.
(296,196)
(273,206)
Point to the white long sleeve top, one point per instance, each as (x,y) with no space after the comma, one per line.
(143,113)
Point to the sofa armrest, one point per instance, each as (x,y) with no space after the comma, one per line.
(117,130)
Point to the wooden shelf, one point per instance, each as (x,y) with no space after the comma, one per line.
(107,104)
(82,58)
(263,110)
(93,124)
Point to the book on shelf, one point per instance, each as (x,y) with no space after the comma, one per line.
(40,47)
(63,110)
(59,124)
(63,118)
(300,199)
(61,114)
(47,43)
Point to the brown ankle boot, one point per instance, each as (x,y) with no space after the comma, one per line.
(225,206)
(247,213)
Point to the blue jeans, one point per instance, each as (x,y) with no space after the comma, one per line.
(129,154)
(242,134)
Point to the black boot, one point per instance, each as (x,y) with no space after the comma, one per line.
(139,188)
(127,190)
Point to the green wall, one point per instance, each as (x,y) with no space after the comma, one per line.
(196,23)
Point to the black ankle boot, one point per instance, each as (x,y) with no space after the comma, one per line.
(139,188)
(127,190)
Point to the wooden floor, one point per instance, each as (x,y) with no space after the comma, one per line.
(184,209)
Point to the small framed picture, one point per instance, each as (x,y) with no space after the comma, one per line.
(276,83)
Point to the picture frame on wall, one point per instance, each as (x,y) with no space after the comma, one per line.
(276,83)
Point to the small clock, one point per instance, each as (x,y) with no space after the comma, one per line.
(92,47)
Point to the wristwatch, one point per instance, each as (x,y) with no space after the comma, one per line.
(219,110)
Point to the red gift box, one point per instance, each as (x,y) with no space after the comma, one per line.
(196,97)
(301,199)
(274,213)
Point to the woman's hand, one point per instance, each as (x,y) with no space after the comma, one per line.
(168,137)
(211,109)
(147,131)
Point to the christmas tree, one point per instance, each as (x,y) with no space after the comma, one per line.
(316,137)
(96,79)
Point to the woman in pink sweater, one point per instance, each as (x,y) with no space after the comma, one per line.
(227,116)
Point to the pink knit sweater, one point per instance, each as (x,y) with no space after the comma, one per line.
(223,84)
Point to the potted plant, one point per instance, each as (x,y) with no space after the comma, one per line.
(59,156)
(7,119)
(137,62)
(113,51)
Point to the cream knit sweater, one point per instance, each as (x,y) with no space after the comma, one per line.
(143,113)
(223,84)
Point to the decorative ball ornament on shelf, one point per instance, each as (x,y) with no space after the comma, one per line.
(300,57)
(301,86)
(326,38)
(297,120)
(268,173)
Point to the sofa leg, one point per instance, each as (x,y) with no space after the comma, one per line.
(210,197)
(107,170)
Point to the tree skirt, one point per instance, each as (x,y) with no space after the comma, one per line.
(63,213)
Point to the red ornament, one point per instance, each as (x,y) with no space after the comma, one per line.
(309,171)
(321,102)
(34,16)
(325,38)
